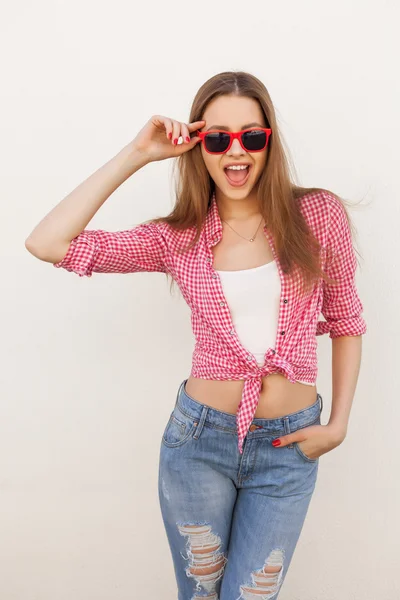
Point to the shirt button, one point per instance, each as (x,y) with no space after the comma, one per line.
(273,351)
(282,333)
(232,332)
(208,259)
(249,357)
(222,303)
(285,300)
(215,276)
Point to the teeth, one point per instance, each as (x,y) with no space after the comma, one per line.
(238,167)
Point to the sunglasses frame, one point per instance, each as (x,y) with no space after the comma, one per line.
(233,136)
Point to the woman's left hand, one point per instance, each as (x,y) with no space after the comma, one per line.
(314,440)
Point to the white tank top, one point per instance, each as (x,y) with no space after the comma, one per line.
(253,296)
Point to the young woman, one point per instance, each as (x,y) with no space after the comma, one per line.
(258,259)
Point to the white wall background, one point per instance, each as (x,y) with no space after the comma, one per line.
(90,367)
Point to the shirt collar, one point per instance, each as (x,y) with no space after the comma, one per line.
(213,229)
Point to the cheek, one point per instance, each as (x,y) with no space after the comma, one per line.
(260,163)
(212,164)
(262,159)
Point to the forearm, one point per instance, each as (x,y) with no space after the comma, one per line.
(346,361)
(70,216)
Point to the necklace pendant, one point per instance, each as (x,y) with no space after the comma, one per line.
(251,240)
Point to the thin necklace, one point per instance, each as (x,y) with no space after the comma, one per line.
(252,238)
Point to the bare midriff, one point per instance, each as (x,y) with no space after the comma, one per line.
(279,396)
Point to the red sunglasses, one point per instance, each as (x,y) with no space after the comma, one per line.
(251,140)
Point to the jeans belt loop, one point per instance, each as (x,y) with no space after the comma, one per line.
(200,424)
(287,429)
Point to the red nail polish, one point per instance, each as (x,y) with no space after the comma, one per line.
(187,139)
(276,443)
(175,141)
(170,135)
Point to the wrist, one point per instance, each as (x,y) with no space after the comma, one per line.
(136,157)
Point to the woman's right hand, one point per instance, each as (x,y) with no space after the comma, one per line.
(158,139)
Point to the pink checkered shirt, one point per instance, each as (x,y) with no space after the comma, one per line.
(218,353)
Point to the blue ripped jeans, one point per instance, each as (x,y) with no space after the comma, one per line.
(232,520)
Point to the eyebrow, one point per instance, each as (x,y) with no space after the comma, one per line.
(255,124)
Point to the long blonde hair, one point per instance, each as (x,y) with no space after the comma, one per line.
(296,246)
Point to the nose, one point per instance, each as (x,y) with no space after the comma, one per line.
(236,148)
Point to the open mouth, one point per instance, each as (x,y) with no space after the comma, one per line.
(237,177)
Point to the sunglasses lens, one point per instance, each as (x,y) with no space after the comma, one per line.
(216,142)
(254,140)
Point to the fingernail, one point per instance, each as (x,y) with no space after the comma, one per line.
(170,135)
(187,139)
(175,141)
(276,442)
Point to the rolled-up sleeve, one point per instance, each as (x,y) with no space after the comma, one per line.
(142,248)
(341,307)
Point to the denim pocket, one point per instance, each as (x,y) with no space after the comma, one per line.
(179,429)
(304,456)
